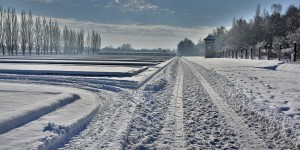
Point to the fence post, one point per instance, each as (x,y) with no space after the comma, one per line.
(279,53)
(232,54)
(251,53)
(259,53)
(246,57)
(295,50)
(236,53)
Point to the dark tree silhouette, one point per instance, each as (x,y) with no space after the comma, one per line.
(186,48)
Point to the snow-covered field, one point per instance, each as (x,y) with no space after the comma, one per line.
(42,116)
(73,70)
(181,103)
(269,82)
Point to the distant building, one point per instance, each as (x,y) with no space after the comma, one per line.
(209,46)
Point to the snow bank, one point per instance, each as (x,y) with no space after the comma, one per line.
(53,129)
(11,120)
(71,70)
(146,76)
(292,68)
(78,62)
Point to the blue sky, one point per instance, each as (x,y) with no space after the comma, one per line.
(144,23)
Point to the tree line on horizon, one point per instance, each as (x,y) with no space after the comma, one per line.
(264,31)
(42,36)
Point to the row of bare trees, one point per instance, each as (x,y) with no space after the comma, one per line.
(93,43)
(41,36)
(9,30)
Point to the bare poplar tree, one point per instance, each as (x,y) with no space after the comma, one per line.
(45,38)
(56,38)
(92,42)
(73,42)
(8,40)
(66,40)
(2,18)
(38,35)
(71,47)
(23,32)
(30,32)
(95,43)
(80,41)
(99,43)
(88,43)
(15,31)
(51,36)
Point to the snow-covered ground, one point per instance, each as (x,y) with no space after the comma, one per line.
(71,69)
(101,58)
(181,103)
(270,82)
(44,112)
(33,119)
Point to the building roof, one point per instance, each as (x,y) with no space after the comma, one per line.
(210,38)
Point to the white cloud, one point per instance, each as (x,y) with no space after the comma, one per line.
(42,1)
(140,36)
(131,5)
(135,6)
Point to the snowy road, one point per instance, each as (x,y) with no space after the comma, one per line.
(247,138)
(186,113)
(178,108)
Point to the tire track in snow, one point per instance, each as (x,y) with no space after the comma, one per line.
(149,118)
(248,139)
(204,125)
(173,130)
(109,128)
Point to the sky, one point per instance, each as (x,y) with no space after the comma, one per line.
(145,23)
